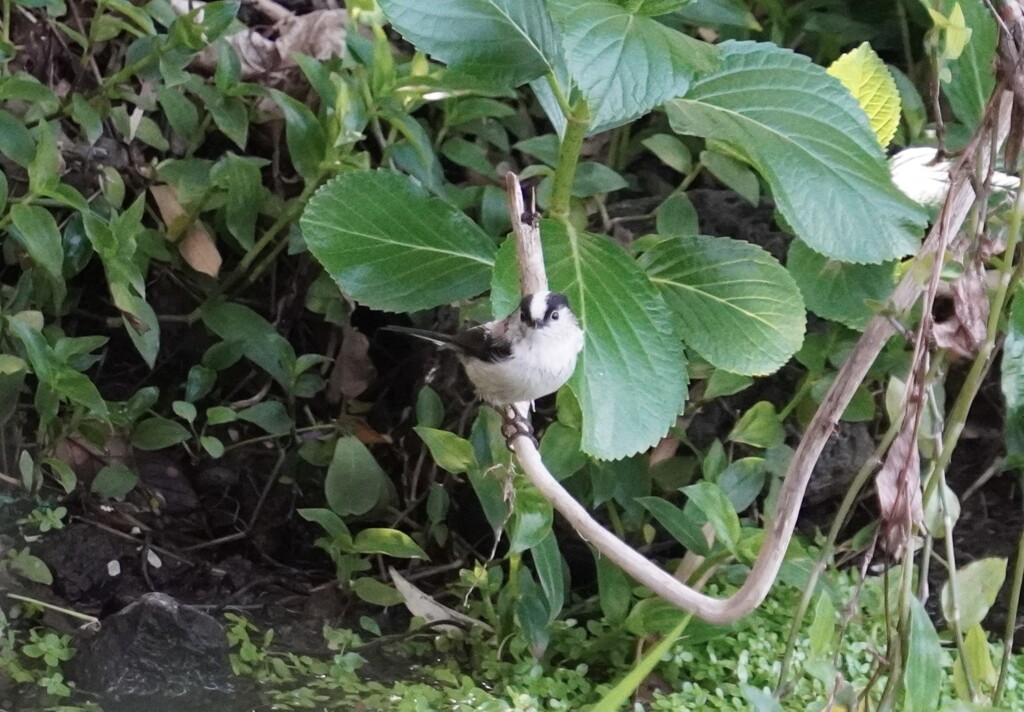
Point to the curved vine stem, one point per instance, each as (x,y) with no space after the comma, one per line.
(779,529)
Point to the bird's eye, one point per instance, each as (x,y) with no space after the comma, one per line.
(554,316)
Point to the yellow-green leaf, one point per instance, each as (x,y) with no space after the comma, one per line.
(958,34)
(864,73)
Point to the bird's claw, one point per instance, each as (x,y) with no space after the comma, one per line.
(515,423)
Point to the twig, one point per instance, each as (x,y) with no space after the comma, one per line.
(526,225)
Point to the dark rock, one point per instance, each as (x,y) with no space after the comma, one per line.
(78,556)
(159,649)
(841,459)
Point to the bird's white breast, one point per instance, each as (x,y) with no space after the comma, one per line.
(541,364)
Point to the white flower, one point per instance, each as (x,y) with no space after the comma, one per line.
(924,178)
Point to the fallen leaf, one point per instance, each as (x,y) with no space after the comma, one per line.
(353,371)
(964,332)
(425,607)
(320,34)
(199,250)
(197,247)
(899,486)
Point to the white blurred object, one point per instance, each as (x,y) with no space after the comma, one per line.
(922,177)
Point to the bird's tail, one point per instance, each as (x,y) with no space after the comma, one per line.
(434,337)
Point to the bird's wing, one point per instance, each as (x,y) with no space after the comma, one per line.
(481,342)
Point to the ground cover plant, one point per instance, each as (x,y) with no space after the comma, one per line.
(209,210)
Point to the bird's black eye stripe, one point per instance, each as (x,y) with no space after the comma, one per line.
(524,311)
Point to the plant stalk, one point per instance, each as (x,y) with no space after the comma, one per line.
(568,158)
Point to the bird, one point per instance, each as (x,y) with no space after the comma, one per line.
(529,354)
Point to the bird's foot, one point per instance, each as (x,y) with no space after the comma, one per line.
(514,423)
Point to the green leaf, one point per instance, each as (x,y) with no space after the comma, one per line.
(734,174)
(15,140)
(184,410)
(331,522)
(355,482)
(1012,376)
(822,632)
(653,7)
(219,414)
(531,520)
(613,588)
(44,170)
(272,416)
(231,115)
(213,446)
(789,120)
(241,178)
(710,499)
(429,408)
(547,562)
(677,522)
(620,693)
(307,140)
(389,542)
(53,372)
(157,433)
(87,118)
(260,342)
(560,450)
(840,291)
(977,659)
(759,427)
(733,303)
(677,217)
(140,321)
(923,679)
(114,481)
(36,231)
(670,151)
(532,613)
(594,178)
(977,585)
(865,75)
(31,567)
(971,76)
(627,64)
(181,113)
(742,481)
(629,347)
(508,40)
(450,452)
(376,593)
(393,247)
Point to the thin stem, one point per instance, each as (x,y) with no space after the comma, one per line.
(92,620)
(568,157)
(828,548)
(1009,274)
(563,103)
(1011,621)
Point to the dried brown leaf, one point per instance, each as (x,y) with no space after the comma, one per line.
(171,211)
(899,487)
(321,34)
(353,371)
(200,251)
(198,247)
(964,332)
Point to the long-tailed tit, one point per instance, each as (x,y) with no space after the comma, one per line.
(530,353)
